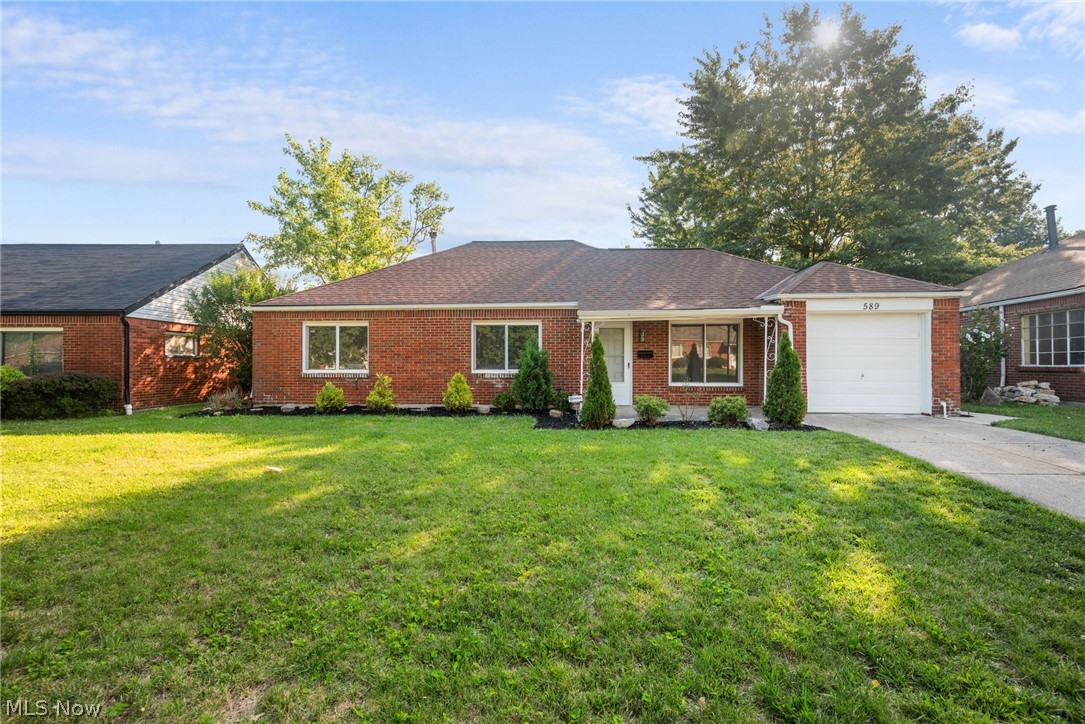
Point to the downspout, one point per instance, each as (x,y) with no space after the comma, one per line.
(1002,362)
(127,365)
(765,364)
(581,358)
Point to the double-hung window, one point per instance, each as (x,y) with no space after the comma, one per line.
(497,346)
(1053,339)
(338,347)
(704,354)
(33,351)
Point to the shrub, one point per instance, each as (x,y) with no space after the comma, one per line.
(229,399)
(7,376)
(598,409)
(505,402)
(785,403)
(727,411)
(983,344)
(533,384)
(457,396)
(560,400)
(650,408)
(60,394)
(330,399)
(381,398)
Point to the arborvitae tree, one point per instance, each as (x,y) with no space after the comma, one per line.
(533,385)
(598,409)
(785,403)
(458,397)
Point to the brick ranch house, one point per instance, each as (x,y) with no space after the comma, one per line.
(1041,303)
(114,309)
(682,324)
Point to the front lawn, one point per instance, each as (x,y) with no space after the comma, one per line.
(1065,421)
(476,569)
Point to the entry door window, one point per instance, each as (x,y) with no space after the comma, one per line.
(613,339)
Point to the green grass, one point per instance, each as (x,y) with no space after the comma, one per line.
(1065,421)
(476,569)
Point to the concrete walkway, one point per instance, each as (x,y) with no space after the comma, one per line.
(1046,470)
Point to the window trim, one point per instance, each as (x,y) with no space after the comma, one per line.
(671,324)
(43,330)
(337,371)
(1035,352)
(537,323)
(189,335)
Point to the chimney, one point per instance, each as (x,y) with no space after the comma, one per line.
(1052,228)
(433,239)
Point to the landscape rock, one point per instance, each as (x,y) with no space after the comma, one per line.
(623,422)
(557,414)
(288,408)
(756,423)
(990,397)
(483,409)
(1031,392)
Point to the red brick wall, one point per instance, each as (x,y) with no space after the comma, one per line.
(95,343)
(422,349)
(161,381)
(92,343)
(795,312)
(946,355)
(1068,382)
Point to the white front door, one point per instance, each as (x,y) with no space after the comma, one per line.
(618,346)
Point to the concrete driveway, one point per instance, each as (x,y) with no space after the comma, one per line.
(1046,470)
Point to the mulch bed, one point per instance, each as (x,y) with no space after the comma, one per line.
(542,421)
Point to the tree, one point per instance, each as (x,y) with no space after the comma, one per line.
(598,409)
(342,217)
(533,385)
(983,344)
(800,149)
(784,401)
(220,309)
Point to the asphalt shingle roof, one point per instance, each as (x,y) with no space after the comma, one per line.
(534,272)
(1047,271)
(56,278)
(828,277)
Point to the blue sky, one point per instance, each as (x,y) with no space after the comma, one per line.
(135,122)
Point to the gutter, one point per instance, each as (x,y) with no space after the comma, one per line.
(1022,300)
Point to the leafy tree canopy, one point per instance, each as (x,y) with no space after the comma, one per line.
(819,142)
(220,309)
(341,217)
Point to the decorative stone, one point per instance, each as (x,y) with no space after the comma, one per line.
(288,408)
(990,397)
(1049,400)
(623,422)
(557,414)
(1044,385)
(756,423)
(483,409)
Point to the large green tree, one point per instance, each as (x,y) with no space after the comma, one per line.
(221,310)
(341,216)
(819,142)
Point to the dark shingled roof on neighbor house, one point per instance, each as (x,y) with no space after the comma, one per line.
(554,272)
(1048,271)
(98,278)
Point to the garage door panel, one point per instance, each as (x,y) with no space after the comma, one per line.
(866,363)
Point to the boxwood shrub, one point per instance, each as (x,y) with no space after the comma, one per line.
(59,394)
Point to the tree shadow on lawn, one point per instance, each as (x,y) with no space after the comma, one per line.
(472,569)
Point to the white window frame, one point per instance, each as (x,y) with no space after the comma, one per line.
(1035,351)
(46,330)
(338,372)
(671,324)
(506,324)
(189,335)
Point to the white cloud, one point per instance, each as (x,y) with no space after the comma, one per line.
(1060,23)
(645,102)
(989,36)
(999,104)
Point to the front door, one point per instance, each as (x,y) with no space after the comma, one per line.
(618,346)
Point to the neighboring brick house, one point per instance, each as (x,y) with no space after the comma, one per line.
(1041,302)
(113,309)
(683,324)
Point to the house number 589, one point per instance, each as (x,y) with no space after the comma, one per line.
(871,305)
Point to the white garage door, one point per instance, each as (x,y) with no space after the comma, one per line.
(867,363)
